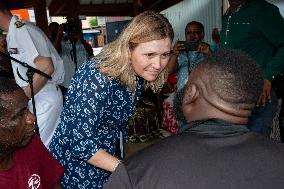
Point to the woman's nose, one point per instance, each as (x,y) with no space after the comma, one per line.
(157,62)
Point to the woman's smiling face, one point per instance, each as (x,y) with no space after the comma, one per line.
(149,59)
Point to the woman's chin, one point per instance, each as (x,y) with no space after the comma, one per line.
(151,77)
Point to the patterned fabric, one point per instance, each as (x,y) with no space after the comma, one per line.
(275,133)
(169,119)
(145,124)
(96,110)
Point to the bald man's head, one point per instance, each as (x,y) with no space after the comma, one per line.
(226,83)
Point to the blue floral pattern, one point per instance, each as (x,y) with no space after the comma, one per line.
(96,110)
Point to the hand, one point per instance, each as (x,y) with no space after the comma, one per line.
(204,48)
(177,48)
(265,95)
(27,91)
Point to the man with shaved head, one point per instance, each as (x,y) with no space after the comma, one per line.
(24,160)
(215,149)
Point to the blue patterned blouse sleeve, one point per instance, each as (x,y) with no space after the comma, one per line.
(85,102)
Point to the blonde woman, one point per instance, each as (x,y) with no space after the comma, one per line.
(103,95)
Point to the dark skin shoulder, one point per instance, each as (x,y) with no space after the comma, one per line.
(58,186)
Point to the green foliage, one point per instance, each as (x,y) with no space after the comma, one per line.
(93,22)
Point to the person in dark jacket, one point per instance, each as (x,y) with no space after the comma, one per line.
(215,149)
(256,27)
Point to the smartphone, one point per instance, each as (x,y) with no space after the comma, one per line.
(190,45)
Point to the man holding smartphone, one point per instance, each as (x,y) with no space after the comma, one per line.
(186,54)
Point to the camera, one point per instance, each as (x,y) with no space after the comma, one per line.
(189,45)
(72,26)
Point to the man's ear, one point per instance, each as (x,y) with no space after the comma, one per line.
(191,94)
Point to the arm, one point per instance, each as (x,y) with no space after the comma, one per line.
(173,65)
(36,52)
(45,65)
(173,62)
(58,186)
(87,144)
(273,32)
(57,43)
(104,160)
(265,94)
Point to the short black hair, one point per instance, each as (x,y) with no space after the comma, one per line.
(200,25)
(234,76)
(54,24)
(6,86)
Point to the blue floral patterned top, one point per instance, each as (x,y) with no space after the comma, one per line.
(96,110)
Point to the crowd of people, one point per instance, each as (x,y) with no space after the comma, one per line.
(220,112)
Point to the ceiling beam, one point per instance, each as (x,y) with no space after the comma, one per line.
(41,15)
(158,5)
(135,7)
(73,8)
(56,6)
(165,4)
(122,9)
(21,4)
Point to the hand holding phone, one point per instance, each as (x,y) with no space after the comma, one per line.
(189,45)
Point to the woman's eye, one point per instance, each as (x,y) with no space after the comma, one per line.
(166,55)
(150,55)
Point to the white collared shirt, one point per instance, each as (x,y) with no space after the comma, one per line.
(26,43)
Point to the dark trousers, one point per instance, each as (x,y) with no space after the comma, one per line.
(261,118)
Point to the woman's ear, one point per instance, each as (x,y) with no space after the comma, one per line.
(191,94)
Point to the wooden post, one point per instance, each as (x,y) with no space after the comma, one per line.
(72,7)
(41,15)
(135,7)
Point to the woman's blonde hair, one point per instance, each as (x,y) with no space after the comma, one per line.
(115,57)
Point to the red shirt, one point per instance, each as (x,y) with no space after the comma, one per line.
(33,167)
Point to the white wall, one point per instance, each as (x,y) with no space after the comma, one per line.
(279,4)
(208,12)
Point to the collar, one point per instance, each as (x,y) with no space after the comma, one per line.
(231,12)
(214,128)
(11,27)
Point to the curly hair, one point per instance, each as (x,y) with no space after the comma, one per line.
(115,57)
(232,76)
